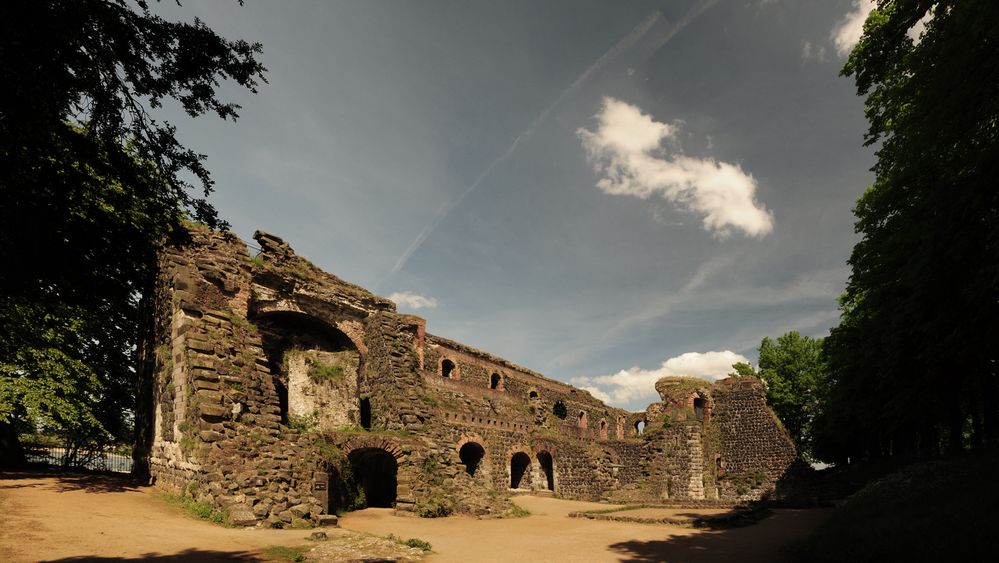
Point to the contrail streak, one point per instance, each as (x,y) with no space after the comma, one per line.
(624,44)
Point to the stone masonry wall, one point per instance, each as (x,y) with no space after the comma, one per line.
(283,394)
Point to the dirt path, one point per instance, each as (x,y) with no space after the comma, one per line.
(550,535)
(88,518)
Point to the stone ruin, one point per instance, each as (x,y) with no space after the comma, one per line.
(284,395)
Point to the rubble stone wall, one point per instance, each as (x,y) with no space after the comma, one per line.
(282,394)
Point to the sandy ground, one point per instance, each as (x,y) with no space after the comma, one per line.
(550,535)
(97,518)
(87,518)
(678,513)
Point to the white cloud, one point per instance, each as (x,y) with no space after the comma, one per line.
(627,150)
(413,300)
(847,32)
(812,52)
(630,385)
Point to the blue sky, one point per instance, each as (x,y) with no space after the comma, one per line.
(605,192)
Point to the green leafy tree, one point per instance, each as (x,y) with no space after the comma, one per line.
(795,376)
(92,185)
(913,362)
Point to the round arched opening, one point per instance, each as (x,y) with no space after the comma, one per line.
(471,455)
(603,429)
(581,422)
(518,469)
(375,470)
(494,381)
(699,404)
(640,427)
(533,394)
(447,368)
(548,468)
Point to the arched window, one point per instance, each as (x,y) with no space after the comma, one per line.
(582,419)
(533,394)
(620,428)
(447,368)
(603,429)
(495,381)
(699,408)
(471,456)
(519,464)
(640,427)
(547,468)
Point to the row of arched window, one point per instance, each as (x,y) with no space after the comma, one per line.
(449,370)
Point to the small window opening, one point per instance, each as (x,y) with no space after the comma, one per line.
(640,427)
(533,394)
(699,409)
(582,419)
(447,368)
(603,429)
(494,381)
(366,413)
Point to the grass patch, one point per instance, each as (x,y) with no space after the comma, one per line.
(199,509)
(519,511)
(320,371)
(933,511)
(285,553)
(411,542)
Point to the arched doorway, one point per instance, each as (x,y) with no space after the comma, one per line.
(471,457)
(494,381)
(375,471)
(518,469)
(447,368)
(547,468)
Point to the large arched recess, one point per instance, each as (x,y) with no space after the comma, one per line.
(375,470)
(283,331)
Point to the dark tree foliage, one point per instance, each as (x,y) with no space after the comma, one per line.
(91,185)
(913,362)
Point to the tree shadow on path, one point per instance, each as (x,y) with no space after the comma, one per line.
(74,481)
(764,542)
(193,555)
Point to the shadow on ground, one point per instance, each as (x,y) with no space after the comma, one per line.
(742,544)
(88,482)
(195,555)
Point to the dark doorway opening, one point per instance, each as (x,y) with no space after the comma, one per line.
(447,368)
(518,468)
(548,468)
(471,457)
(640,427)
(366,413)
(375,470)
(494,381)
(699,409)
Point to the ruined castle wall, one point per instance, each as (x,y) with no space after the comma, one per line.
(755,449)
(277,382)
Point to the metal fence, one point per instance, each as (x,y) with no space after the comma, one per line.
(90,460)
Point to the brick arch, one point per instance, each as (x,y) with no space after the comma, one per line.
(363,442)
(455,373)
(342,325)
(612,454)
(471,437)
(545,447)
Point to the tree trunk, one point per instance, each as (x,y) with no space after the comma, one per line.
(11,452)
